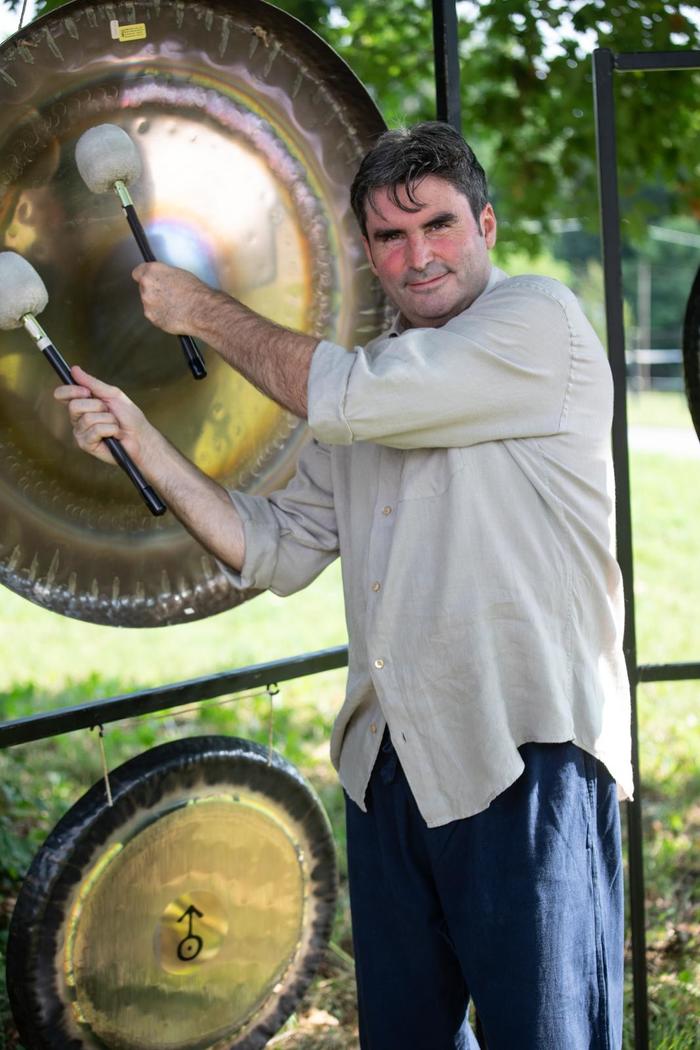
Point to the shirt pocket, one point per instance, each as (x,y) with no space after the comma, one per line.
(429,472)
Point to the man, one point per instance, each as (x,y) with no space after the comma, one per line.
(461,469)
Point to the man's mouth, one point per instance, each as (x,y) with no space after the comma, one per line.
(429,282)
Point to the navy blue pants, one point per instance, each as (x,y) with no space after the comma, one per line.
(518,909)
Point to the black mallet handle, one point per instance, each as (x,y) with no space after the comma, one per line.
(189,347)
(149,495)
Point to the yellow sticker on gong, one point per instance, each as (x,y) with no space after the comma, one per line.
(137,31)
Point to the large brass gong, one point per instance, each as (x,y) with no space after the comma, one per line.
(190,915)
(249,129)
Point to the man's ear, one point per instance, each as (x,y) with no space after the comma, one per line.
(368,253)
(489,225)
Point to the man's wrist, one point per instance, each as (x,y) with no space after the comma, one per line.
(153,451)
(212,314)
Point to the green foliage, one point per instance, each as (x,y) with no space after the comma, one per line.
(527,99)
(23,820)
(18,823)
(529,94)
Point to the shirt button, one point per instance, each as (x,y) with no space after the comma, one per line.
(376,586)
(386,511)
(373,727)
(379,664)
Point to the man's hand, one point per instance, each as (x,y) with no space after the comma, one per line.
(98,411)
(202,505)
(171,298)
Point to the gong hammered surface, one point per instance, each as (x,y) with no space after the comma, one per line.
(181,933)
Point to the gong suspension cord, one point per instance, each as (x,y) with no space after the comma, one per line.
(21,17)
(270,691)
(103,757)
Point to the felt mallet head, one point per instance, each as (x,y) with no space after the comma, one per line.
(22,295)
(105,155)
(108,159)
(22,290)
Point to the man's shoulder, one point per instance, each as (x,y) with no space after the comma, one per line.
(544,305)
(531,285)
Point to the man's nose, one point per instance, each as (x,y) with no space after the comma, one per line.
(418,252)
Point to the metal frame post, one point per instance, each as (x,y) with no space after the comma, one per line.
(603,67)
(446,50)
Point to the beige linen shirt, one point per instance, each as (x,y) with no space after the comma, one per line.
(463,474)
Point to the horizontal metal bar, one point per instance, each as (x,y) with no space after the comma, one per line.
(655,61)
(178,694)
(667,672)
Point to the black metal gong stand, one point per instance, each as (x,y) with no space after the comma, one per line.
(605,65)
(112,709)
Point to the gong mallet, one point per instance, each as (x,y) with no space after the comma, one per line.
(22,296)
(108,159)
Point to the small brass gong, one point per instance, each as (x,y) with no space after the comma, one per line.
(190,915)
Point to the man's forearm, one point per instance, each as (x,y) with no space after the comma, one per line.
(201,504)
(99,411)
(274,359)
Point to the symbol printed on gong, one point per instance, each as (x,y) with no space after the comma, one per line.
(191,931)
(191,944)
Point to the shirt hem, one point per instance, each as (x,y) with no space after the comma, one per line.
(435,821)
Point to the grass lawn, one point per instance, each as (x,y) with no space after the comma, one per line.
(665,507)
(48,661)
(655,409)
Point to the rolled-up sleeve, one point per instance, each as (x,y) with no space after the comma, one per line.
(500,370)
(291,535)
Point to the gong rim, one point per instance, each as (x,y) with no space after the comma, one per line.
(75,538)
(65,877)
(691,352)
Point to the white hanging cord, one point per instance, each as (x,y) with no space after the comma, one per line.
(272,691)
(105,771)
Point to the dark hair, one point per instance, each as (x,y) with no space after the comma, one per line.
(400,159)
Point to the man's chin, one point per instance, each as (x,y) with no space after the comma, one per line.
(428,314)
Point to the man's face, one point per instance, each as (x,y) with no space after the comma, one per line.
(434,262)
